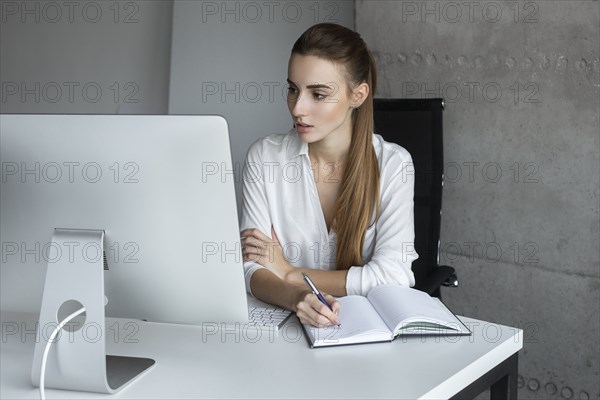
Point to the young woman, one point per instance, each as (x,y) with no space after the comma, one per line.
(330,198)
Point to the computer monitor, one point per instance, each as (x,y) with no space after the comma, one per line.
(161,188)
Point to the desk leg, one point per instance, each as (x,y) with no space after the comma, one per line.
(506,387)
(501,380)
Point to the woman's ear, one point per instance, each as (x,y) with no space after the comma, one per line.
(360,94)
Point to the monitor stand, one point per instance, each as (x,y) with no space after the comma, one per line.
(77,359)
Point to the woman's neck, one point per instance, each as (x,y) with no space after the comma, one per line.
(332,149)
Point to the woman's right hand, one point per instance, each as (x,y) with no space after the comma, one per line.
(311,311)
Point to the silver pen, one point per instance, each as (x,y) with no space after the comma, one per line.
(315,290)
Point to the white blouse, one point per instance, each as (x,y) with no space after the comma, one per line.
(279,189)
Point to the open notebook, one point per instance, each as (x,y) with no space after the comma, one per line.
(386,312)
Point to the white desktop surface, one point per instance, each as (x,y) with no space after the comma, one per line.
(196,363)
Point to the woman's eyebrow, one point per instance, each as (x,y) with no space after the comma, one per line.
(315,86)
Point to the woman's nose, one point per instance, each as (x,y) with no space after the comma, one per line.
(299,105)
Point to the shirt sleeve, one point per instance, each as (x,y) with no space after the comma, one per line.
(255,205)
(394,249)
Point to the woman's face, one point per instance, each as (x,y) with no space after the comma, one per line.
(318,98)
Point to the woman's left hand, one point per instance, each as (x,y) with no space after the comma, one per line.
(266,251)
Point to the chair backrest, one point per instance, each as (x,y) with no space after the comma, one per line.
(416,125)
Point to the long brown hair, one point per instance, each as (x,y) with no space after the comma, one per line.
(359,194)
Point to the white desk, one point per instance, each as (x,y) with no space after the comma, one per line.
(196,363)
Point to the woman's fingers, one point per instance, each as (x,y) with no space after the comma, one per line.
(313,312)
(253,242)
(333,303)
(255,233)
(253,249)
(250,254)
(312,318)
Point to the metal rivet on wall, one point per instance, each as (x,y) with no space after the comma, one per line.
(566,392)
(551,388)
(533,385)
(584,395)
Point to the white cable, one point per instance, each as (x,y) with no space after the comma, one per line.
(47,348)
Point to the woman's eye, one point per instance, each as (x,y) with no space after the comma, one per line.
(292,93)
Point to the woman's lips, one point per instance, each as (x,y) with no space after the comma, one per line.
(303,128)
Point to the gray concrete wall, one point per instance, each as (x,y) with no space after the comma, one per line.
(94,57)
(520,220)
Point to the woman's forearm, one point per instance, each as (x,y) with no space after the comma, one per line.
(332,282)
(267,287)
(286,293)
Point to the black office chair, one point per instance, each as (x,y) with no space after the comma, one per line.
(416,125)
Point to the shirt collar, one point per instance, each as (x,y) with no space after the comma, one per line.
(296,147)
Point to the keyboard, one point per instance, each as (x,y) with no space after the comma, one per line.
(267,317)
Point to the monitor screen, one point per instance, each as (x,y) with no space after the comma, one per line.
(162,189)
